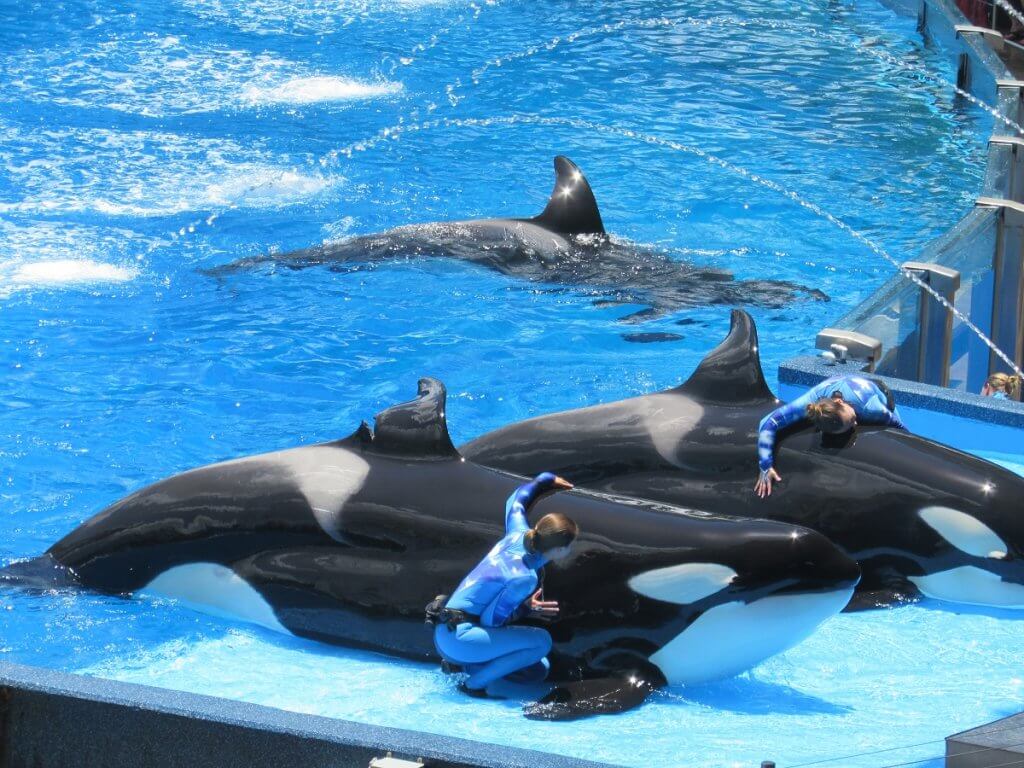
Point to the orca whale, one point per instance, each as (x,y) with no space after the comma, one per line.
(347,541)
(565,245)
(919,517)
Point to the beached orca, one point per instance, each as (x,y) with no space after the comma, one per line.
(565,245)
(918,516)
(347,541)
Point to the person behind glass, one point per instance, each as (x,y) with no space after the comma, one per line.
(478,631)
(1002,386)
(835,406)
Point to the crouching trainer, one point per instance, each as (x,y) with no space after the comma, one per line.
(476,627)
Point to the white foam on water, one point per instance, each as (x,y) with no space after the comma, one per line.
(67,271)
(52,255)
(157,76)
(310,90)
(142,173)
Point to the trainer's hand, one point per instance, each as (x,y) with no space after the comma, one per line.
(541,607)
(562,484)
(764,482)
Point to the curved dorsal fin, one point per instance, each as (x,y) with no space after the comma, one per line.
(572,209)
(416,428)
(731,372)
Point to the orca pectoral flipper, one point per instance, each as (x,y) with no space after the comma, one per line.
(619,692)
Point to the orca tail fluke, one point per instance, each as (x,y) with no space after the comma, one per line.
(620,692)
(41,573)
(572,208)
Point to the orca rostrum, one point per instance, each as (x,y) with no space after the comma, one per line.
(918,516)
(565,245)
(347,541)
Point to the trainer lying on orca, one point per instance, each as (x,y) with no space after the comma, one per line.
(918,516)
(564,245)
(347,541)
(834,407)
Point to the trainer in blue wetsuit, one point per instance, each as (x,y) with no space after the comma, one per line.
(502,588)
(835,405)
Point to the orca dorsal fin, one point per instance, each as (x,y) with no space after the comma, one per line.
(731,372)
(417,428)
(571,209)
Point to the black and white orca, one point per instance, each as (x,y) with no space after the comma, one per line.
(919,517)
(347,541)
(565,245)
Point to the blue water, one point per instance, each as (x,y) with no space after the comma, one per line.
(142,142)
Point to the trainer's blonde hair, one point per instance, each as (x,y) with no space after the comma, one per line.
(552,531)
(826,415)
(1005,382)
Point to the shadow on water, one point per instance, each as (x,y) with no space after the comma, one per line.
(961,609)
(614,273)
(746,695)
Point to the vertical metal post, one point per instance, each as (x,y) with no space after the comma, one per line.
(1014,89)
(1011,150)
(930,359)
(1008,283)
(963,73)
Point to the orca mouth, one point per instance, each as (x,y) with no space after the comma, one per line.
(815,564)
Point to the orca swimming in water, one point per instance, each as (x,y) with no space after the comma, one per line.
(919,517)
(347,541)
(565,245)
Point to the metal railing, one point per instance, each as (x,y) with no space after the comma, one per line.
(978,265)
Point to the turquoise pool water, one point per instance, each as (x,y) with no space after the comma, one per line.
(139,145)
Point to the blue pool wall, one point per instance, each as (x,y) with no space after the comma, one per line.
(52,719)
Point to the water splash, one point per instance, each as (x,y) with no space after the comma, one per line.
(120,73)
(472,15)
(317,89)
(394,132)
(454,98)
(888,58)
(661,22)
(451,90)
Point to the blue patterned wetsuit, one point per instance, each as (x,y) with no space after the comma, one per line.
(869,401)
(496,591)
